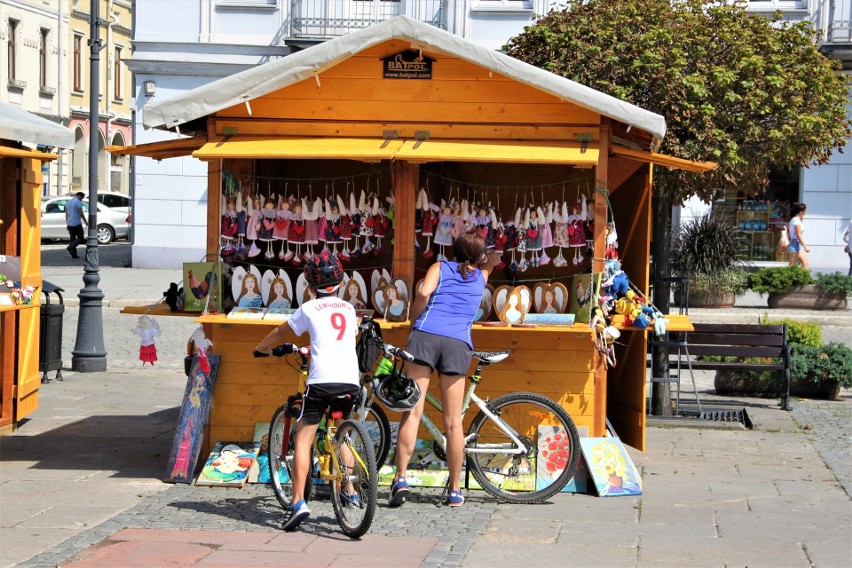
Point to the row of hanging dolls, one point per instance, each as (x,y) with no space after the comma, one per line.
(534,229)
(322,223)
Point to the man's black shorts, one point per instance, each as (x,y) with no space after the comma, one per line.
(318,397)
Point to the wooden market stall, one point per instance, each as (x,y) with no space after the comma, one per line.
(20,255)
(403,107)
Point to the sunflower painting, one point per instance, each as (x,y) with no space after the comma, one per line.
(612,470)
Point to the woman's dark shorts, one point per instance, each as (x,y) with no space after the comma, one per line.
(318,397)
(447,355)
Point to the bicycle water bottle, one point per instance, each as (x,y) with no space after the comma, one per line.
(385,366)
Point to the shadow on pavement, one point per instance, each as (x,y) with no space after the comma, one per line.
(115,255)
(130,446)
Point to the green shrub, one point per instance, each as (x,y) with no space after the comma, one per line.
(829,362)
(835,282)
(726,280)
(779,279)
(802,332)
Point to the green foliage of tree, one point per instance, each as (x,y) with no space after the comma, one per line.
(735,88)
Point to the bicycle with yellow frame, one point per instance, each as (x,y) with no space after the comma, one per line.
(342,455)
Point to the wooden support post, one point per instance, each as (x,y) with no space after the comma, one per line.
(214,205)
(405,180)
(601,218)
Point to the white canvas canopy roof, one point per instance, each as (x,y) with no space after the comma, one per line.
(22,126)
(264,79)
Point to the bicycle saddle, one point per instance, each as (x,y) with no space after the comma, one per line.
(491,356)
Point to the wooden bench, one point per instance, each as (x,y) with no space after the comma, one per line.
(741,341)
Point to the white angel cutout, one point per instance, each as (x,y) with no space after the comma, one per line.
(304,293)
(277,290)
(485,304)
(392,299)
(245,287)
(354,290)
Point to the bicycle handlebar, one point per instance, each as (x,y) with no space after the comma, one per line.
(282,350)
(392,351)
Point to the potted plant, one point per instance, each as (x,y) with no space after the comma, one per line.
(795,287)
(704,250)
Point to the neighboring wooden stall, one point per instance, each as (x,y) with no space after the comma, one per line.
(402,107)
(20,245)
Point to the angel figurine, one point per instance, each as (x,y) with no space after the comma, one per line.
(282,228)
(533,219)
(522,222)
(577,231)
(550,298)
(357,221)
(546,233)
(354,291)
(345,228)
(560,232)
(229,226)
(147,329)
(296,232)
(242,224)
(367,209)
(444,229)
(430,219)
(334,224)
(311,215)
(245,287)
(381,224)
(277,290)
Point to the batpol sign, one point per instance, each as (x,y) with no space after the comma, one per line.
(407,65)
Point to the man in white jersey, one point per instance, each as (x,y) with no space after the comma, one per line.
(332,325)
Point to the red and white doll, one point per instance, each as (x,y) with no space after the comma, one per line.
(147,329)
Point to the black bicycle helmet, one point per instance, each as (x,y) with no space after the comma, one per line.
(324,272)
(396,392)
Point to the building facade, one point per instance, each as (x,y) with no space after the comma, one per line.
(204,40)
(116,92)
(32,66)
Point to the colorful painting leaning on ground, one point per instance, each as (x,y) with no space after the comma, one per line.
(194,412)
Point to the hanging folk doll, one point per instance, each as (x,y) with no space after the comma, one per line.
(147,329)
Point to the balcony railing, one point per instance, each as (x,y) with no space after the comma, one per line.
(840,22)
(324,19)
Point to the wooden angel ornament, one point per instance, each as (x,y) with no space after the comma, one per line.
(550,298)
(512,304)
(245,287)
(277,290)
(484,309)
(393,299)
(354,290)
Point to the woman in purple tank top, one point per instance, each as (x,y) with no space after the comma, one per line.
(443,312)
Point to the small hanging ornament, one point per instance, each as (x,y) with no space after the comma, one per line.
(202,344)
(147,329)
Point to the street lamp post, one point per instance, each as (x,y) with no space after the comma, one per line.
(89,354)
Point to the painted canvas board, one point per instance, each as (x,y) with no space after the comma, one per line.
(259,472)
(229,464)
(192,419)
(581,294)
(610,467)
(199,280)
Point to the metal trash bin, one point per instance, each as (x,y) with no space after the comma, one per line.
(50,333)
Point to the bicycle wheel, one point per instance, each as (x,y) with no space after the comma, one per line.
(281,463)
(376,424)
(551,448)
(354,500)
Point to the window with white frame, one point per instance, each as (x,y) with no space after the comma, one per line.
(117,75)
(43,36)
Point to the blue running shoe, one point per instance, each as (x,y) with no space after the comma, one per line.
(350,499)
(455,499)
(399,492)
(299,513)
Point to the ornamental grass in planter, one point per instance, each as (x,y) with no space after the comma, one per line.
(704,250)
(795,287)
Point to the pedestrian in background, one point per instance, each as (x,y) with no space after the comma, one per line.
(847,236)
(797,247)
(74,219)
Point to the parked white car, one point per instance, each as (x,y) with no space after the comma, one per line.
(111,199)
(112,224)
